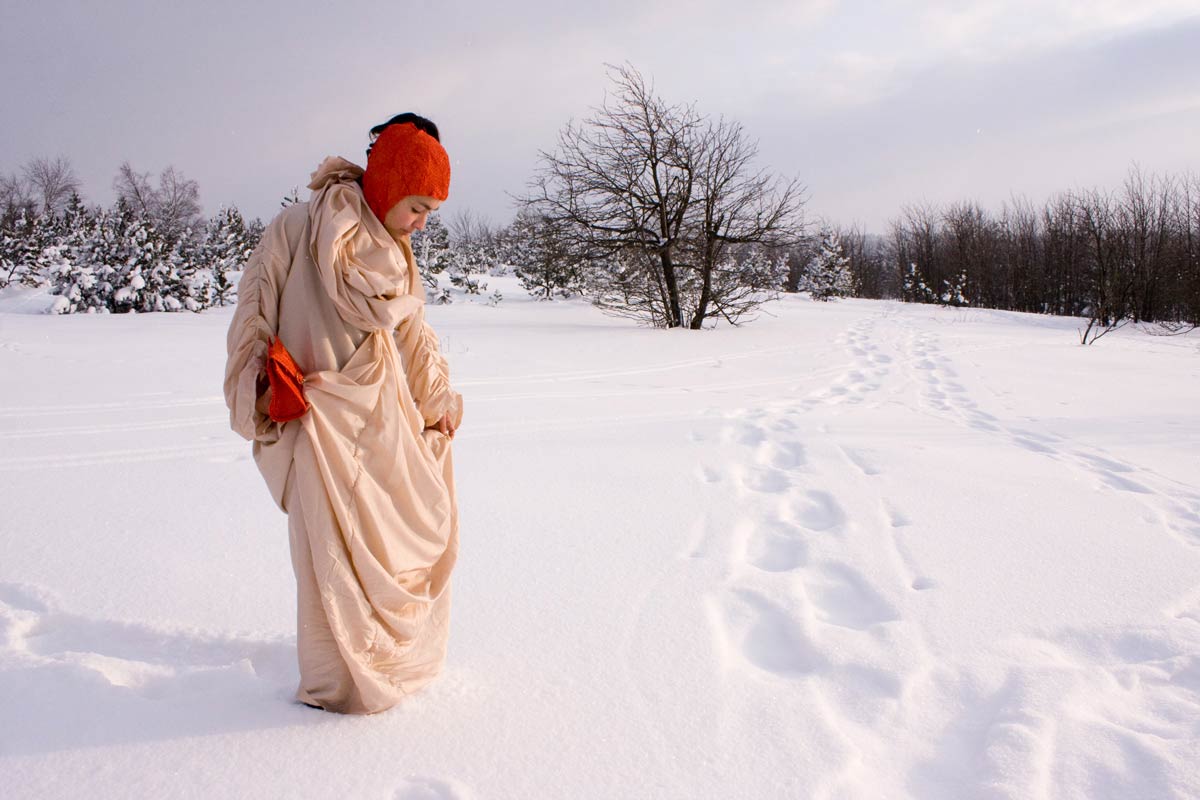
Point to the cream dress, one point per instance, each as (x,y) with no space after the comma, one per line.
(368,490)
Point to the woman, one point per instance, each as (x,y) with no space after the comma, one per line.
(336,377)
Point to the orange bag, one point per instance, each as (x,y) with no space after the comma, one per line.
(287,384)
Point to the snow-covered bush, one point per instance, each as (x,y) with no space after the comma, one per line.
(228,243)
(543,266)
(116,261)
(827,273)
(23,237)
(431,246)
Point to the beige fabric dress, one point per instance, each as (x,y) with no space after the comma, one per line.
(368,491)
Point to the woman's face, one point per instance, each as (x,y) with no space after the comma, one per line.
(409,214)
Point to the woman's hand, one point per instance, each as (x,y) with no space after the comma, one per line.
(444,425)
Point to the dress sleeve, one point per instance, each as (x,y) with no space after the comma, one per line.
(426,370)
(255,322)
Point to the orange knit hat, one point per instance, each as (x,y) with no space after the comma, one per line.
(404,160)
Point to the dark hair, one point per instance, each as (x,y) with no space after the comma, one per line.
(421,123)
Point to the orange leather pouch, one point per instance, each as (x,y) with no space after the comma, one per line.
(287,384)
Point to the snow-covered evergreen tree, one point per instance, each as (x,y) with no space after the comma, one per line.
(431,246)
(827,274)
(227,246)
(87,284)
(543,267)
(22,242)
(954,294)
(469,262)
(142,279)
(191,276)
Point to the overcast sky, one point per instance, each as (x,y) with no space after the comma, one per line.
(871,105)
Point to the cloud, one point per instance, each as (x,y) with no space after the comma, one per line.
(871,103)
(969,129)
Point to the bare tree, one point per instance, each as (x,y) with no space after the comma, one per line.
(467,227)
(868,261)
(1109,281)
(16,198)
(51,181)
(173,207)
(1145,214)
(915,251)
(737,205)
(134,188)
(178,204)
(1021,249)
(650,195)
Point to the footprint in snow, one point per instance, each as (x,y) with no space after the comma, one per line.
(862,460)
(1033,444)
(421,788)
(746,433)
(776,552)
(845,598)
(896,518)
(817,510)
(768,480)
(1123,483)
(769,637)
(1103,463)
(781,454)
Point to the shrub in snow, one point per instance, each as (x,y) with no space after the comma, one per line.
(88,281)
(23,237)
(914,288)
(543,266)
(469,262)
(954,294)
(464,262)
(228,243)
(115,261)
(827,273)
(140,255)
(431,246)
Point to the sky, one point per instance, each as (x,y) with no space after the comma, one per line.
(871,105)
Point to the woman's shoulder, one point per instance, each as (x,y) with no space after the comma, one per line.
(288,226)
(334,169)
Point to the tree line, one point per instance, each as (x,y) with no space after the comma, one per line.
(1131,254)
(152,250)
(655,211)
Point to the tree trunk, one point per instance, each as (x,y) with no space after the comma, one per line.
(705,290)
(674,313)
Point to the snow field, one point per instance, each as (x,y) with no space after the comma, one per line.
(851,550)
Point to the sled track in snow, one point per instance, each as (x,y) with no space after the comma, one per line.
(1176,503)
(90,408)
(87,430)
(222,452)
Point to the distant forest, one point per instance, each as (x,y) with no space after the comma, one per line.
(1130,254)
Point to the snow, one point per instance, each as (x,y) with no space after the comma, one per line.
(856,549)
